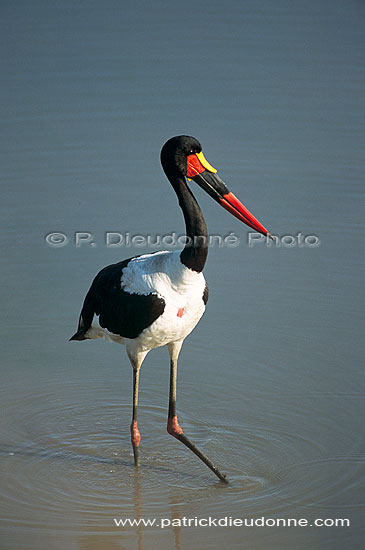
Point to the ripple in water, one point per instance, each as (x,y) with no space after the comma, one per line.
(333,482)
(76,458)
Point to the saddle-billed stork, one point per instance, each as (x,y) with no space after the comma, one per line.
(157,299)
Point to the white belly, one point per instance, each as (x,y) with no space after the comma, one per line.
(170,326)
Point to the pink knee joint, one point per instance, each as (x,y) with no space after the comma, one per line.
(135,435)
(173,426)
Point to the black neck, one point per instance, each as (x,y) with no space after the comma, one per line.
(195,252)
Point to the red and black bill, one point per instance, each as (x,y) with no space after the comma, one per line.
(207,178)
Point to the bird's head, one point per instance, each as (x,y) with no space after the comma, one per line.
(175,154)
(182,156)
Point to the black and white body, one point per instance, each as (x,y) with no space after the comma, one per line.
(157,299)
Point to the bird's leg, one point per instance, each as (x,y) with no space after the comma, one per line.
(173,426)
(135,435)
(136,360)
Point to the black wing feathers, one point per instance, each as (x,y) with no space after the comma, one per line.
(119,311)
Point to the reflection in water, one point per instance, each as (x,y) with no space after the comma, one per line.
(175,514)
(103,541)
(175,503)
(138,506)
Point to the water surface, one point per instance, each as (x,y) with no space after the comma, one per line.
(271,381)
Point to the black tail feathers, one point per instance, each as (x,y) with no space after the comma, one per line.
(79,335)
(85,319)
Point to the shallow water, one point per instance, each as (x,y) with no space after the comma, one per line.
(270,382)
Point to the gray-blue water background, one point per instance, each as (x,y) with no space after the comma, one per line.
(271,381)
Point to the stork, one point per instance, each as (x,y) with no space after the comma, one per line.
(157,299)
